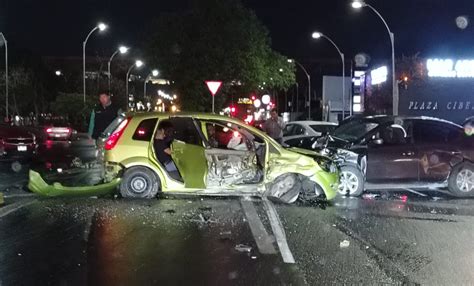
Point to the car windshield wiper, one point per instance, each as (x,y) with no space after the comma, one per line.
(338,138)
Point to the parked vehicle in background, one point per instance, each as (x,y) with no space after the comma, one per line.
(56,128)
(213,155)
(17,146)
(386,152)
(297,129)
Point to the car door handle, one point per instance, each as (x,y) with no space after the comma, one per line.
(409,153)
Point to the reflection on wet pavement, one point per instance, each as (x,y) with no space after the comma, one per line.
(383,237)
(106,242)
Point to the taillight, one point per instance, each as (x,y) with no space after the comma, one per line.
(115,136)
(58,130)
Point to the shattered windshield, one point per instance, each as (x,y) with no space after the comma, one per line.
(354,130)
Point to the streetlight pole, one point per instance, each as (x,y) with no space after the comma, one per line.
(309,88)
(101,27)
(317,35)
(137,64)
(6,74)
(121,50)
(358,4)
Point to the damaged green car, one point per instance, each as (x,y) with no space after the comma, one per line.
(212,155)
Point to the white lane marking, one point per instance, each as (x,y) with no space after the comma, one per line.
(260,234)
(6,210)
(19,196)
(278,231)
(418,193)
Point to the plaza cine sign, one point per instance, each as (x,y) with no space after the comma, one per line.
(450,69)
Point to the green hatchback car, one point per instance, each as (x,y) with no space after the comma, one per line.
(213,155)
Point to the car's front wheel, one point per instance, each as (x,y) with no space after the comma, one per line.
(286,188)
(139,182)
(351,181)
(461,180)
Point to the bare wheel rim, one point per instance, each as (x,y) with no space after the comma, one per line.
(138,185)
(465,180)
(349,183)
(283,186)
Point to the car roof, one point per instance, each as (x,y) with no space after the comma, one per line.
(197,115)
(308,122)
(200,115)
(386,118)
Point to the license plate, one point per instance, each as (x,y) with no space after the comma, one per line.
(22,148)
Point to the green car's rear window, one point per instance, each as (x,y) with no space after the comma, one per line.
(145,129)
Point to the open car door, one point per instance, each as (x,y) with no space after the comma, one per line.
(188,153)
(231,156)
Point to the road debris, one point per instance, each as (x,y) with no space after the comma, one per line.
(370,196)
(344,244)
(243,248)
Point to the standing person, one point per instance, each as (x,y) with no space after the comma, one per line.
(103,114)
(274,126)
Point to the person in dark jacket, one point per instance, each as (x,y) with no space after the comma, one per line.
(102,115)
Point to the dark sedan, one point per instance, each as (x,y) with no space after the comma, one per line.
(400,153)
(16,146)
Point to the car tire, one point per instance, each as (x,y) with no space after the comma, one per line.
(461,180)
(351,181)
(139,182)
(286,189)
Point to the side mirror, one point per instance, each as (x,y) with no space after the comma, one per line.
(378,141)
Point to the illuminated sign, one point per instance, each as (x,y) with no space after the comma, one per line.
(245,101)
(450,68)
(379,75)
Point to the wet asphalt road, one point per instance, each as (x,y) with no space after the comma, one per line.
(387,238)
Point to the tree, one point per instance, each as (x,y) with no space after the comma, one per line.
(216,40)
(71,105)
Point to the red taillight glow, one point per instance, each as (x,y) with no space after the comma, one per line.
(58,130)
(114,138)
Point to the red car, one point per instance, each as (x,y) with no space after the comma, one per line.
(16,146)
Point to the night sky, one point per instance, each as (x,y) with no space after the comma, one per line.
(58,27)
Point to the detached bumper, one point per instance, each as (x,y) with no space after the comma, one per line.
(37,185)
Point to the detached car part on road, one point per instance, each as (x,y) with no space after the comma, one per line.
(383,152)
(237,160)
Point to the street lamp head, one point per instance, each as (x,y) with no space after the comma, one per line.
(280,70)
(102,26)
(316,35)
(290,61)
(58,73)
(358,4)
(123,49)
(139,63)
(155,72)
